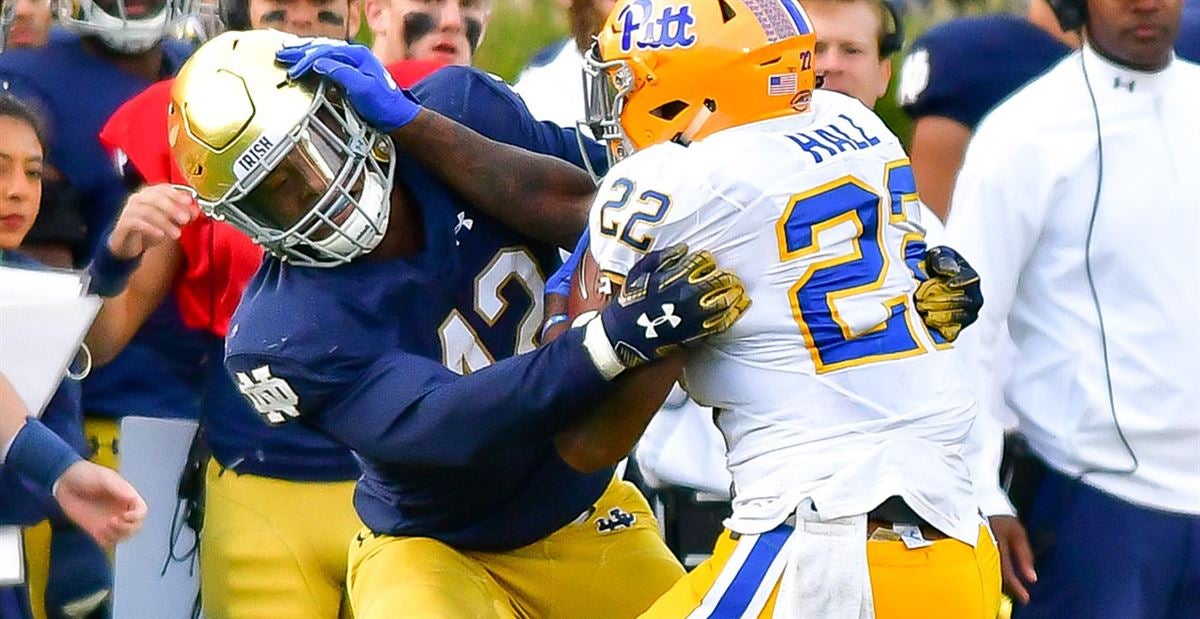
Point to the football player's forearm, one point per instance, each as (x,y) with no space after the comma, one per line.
(404,410)
(538,195)
(610,430)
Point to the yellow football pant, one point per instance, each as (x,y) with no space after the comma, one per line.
(946,580)
(604,566)
(37,566)
(103,434)
(272,548)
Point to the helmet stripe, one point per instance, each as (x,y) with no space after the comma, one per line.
(798,16)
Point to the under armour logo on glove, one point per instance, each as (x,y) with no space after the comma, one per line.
(668,317)
(271,396)
(696,298)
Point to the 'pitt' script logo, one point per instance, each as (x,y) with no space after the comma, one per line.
(616,521)
(671,28)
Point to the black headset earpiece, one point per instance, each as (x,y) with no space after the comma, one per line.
(1071,14)
(893,41)
(235,14)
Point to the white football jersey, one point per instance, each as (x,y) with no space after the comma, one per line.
(830,387)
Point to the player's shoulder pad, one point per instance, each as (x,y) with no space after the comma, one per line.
(655,198)
(456,91)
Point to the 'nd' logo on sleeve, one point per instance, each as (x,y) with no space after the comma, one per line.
(271,396)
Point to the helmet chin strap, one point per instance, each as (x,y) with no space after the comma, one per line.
(698,121)
(366,225)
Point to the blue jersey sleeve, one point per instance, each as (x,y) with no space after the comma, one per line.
(487,105)
(412,410)
(963,68)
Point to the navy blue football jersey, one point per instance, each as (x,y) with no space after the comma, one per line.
(410,361)
(963,68)
(159,373)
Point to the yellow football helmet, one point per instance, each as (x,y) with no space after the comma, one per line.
(286,162)
(683,69)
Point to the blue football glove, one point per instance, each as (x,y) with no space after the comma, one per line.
(560,282)
(368,86)
(950,299)
(669,298)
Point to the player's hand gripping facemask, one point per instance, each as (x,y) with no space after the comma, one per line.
(368,86)
(669,298)
(288,162)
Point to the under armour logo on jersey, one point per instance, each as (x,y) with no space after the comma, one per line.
(668,317)
(464,222)
(1126,84)
(271,396)
(616,521)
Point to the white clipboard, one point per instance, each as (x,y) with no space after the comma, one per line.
(43,319)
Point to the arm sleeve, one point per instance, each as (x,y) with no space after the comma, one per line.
(934,80)
(995,222)
(487,105)
(410,409)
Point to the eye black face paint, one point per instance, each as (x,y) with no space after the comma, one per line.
(274,16)
(474,32)
(418,24)
(330,18)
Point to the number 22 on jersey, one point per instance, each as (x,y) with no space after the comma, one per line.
(831,286)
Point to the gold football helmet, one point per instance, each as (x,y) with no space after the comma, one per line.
(289,163)
(683,69)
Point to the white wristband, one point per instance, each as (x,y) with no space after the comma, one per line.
(595,341)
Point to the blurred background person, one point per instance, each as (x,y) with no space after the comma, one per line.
(856,40)
(1060,203)
(552,83)
(27,23)
(959,70)
(444,31)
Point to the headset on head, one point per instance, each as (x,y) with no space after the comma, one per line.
(893,41)
(1071,14)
